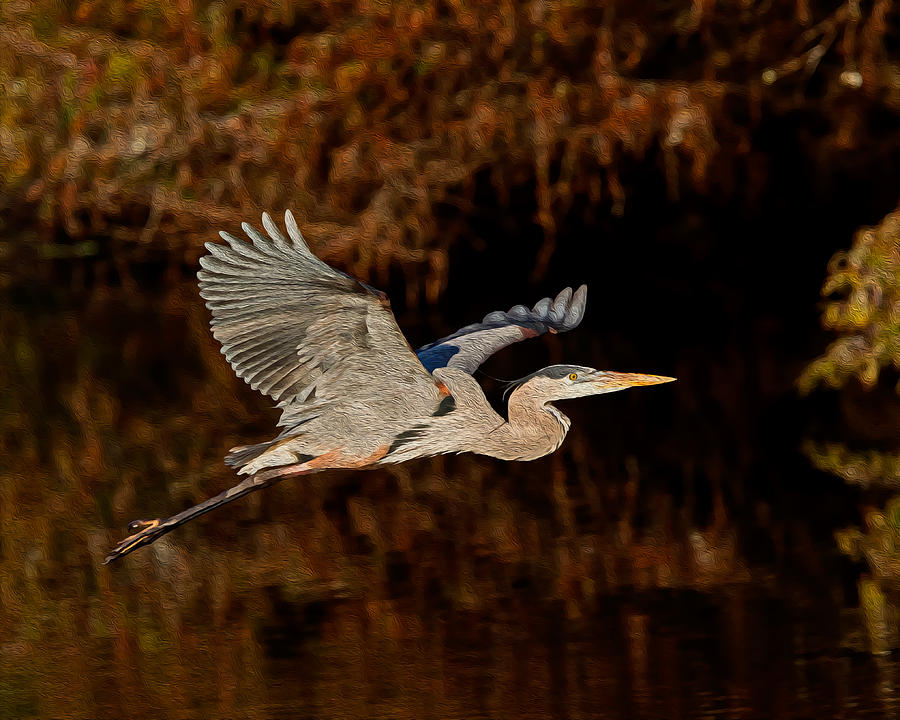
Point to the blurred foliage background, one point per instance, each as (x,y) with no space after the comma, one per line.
(863,307)
(132,122)
(695,163)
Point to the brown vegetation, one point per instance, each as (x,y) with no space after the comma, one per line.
(147,122)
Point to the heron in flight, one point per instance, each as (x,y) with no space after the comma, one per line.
(352,392)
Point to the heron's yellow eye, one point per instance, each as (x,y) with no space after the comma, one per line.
(573,376)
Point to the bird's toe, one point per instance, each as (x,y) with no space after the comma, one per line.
(136,525)
(143,532)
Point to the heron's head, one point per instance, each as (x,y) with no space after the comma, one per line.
(560,382)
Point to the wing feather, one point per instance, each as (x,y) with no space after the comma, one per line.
(470,346)
(304,333)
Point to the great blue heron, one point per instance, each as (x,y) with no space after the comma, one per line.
(352,392)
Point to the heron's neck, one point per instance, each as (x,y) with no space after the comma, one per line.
(534,429)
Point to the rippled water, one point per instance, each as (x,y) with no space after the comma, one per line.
(674,559)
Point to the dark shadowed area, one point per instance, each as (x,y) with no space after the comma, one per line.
(724,546)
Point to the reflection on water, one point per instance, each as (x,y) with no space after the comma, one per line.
(589,584)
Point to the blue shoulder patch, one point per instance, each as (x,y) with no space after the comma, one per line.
(437,357)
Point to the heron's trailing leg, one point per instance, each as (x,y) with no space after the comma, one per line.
(148,531)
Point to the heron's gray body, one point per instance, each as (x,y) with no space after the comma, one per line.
(462,420)
(352,392)
(327,349)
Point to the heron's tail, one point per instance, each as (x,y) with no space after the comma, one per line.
(244,454)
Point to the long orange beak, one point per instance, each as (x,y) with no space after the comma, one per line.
(624,380)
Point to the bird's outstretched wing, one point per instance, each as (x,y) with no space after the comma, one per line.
(303,333)
(470,346)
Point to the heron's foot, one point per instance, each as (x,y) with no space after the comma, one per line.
(143,532)
(136,525)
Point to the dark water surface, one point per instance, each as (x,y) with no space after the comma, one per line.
(675,559)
